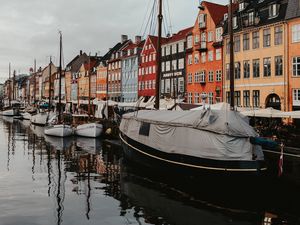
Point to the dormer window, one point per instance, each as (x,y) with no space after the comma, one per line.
(202,20)
(225,16)
(251,18)
(273,10)
(234,22)
(241,6)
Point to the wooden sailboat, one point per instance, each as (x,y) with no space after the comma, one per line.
(11,109)
(89,129)
(212,141)
(59,129)
(42,117)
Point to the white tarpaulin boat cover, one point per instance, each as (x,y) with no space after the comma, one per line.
(213,134)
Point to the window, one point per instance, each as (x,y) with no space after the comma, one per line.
(296,97)
(162,86)
(203,40)
(246,98)
(219,32)
(267,37)
(163,51)
(218,75)
(241,6)
(278,66)
(190,41)
(256,98)
(234,22)
(180,64)
(168,50)
(196,58)
(227,71)
(237,98)
(202,20)
(256,66)
(210,98)
(278,35)
(181,84)
(196,38)
(168,66)
(197,77)
(190,97)
(203,57)
(196,99)
(163,65)
(228,97)
(246,69)
(267,67)
(181,47)
(174,48)
(227,46)
(174,64)
(273,10)
(237,70)
(246,42)
(218,54)
(210,36)
(167,85)
(296,33)
(211,76)
(210,56)
(255,39)
(190,59)
(251,18)
(202,77)
(296,66)
(237,43)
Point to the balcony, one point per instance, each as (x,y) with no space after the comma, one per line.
(218,44)
(201,46)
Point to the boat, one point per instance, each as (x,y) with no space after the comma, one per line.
(88,128)
(59,129)
(192,142)
(26,115)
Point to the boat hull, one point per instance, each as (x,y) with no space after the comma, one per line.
(89,130)
(26,116)
(9,112)
(60,130)
(188,165)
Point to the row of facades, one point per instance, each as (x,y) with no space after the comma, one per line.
(194,61)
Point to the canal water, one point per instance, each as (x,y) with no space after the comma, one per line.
(46,180)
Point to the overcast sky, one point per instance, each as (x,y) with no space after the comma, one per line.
(29,28)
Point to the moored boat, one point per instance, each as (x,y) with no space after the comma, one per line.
(59,130)
(89,130)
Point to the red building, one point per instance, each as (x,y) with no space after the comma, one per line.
(204,54)
(147,68)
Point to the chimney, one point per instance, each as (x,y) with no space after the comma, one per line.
(80,53)
(124,38)
(138,39)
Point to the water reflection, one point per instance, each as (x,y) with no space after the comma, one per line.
(85,181)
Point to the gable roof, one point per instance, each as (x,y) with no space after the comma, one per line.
(293,9)
(216,11)
(179,36)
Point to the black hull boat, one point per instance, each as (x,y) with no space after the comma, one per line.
(143,155)
(187,156)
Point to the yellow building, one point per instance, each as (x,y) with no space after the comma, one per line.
(260,49)
(293,23)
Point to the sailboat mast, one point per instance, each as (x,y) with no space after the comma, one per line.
(89,76)
(231,64)
(59,70)
(13,85)
(9,86)
(49,104)
(158,58)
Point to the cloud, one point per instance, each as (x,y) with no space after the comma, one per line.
(29,29)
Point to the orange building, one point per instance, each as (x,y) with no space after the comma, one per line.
(204,54)
(293,23)
(101,80)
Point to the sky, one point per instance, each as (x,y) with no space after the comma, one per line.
(29,28)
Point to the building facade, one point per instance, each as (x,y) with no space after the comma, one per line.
(293,58)
(130,67)
(204,54)
(173,70)
(260,68)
